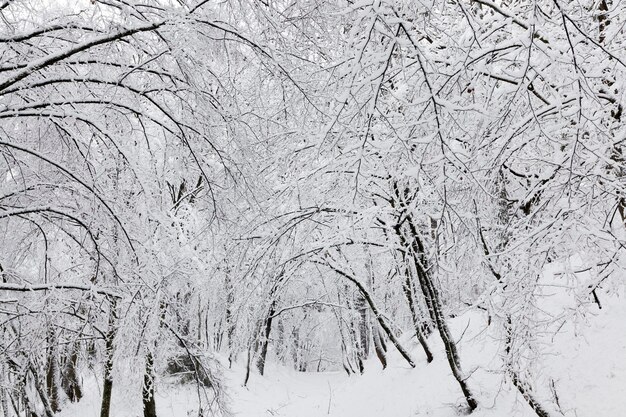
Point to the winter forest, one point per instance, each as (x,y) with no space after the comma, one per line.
(306,208)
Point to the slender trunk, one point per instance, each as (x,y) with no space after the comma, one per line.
(4,403)
(149,403)
(366,327)
(52,372)
(230,322)
(71,384)
(280,345)
(356,351)
(266,338)
(379,347)
(43,395)
(247,377)
(449,344)
(295,347)
(217,340)
(108,366)
(426,324)
(363,328)
(409,289)
(603,9)
(433,302)
(230,317)
(4,395)
(199,332)
(415,316)
(381,340)
(345,360)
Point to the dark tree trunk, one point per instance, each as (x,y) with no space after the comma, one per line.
(433,302)
(379,347)
(381,340)
(408,285)
(603,9)
(356,351)
(230,321)
(363,328)
(260,364)
(229,317)
(52,372)
(345,359)
(444,332)
(408,293)
(149,402)
(107,388)
(70,382)
(247,377)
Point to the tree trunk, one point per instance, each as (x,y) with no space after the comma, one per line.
(247,377)
(521,386)
(43,395)
(415,314)
(149,403)
(355,343)
(363,328)
(70,382)
(379,347)
(433,302)
(52,372)
(229,317)
(260,364)
(408,285)
(4,390)
(280,345)
(345,359)
(108,367)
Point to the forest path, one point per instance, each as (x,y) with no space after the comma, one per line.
(586,361)
(427,390)
(587,384)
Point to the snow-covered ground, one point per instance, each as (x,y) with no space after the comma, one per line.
(587,364)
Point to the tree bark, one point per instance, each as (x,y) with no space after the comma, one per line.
(107,388)
(379,348)
(408,293)
(52,372)
(230,301)
(70,382)
(260,364)
(408,286)
(43,395)
(433,302)
(363,328)
(249,359)
(149,402)
(5,383)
